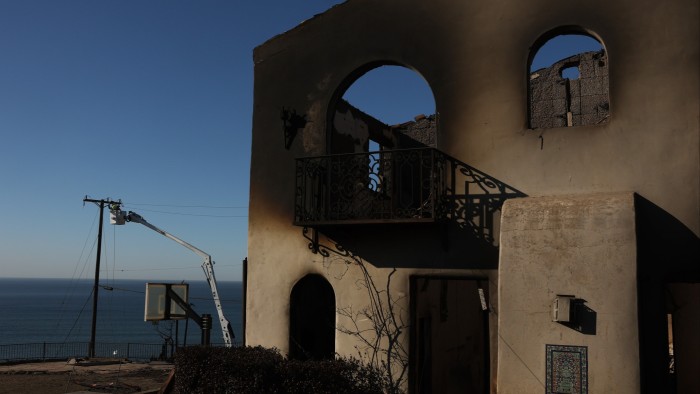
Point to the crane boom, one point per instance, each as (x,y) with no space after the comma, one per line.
(207,266)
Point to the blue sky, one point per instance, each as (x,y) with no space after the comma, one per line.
(145,101)
(149,102)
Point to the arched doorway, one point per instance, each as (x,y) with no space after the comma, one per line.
(312,319)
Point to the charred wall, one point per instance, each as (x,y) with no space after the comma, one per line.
(353,129)
(556,101)
(418,133)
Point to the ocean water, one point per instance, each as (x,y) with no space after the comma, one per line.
(60,311)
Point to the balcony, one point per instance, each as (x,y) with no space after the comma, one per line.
(420,185)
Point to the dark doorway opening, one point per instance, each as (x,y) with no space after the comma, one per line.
(668,291)
(683,326)
(450,342)
(312,319)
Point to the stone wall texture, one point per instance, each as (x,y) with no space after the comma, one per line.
(556,101)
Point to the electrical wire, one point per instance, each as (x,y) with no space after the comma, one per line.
(78,317)
(72,284)
(175,268)
(87,238)
(187,206)
(107,267)
(112,288)
(192,214)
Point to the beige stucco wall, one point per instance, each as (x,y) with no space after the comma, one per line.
(583,246)
(474,55)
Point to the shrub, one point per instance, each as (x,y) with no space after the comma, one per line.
(261,370)
(339,376)
(221,370)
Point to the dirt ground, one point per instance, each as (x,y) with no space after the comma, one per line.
(62,377)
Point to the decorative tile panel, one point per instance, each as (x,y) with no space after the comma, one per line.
(567,369)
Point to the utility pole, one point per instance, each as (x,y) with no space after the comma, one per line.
(96,286)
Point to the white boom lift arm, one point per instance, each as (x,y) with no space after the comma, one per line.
(119,217)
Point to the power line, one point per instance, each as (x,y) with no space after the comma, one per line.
(190,206)
(79,313)
(174,268)
(193,214)
(111,288)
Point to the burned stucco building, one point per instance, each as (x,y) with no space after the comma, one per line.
(556,101)
(538,233)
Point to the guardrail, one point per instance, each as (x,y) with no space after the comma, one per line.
(404,186)
(370,187)
(45,351)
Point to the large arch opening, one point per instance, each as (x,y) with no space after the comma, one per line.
(567,80)
(380,122)
(312,319)
(382,106)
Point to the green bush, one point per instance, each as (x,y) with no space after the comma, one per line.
(339,376)
(261,370)
(222,370)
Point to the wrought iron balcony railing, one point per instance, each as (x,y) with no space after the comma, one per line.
(411,185)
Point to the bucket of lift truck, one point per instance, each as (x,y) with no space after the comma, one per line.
(117,217)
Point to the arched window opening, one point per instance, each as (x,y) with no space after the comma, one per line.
(568,82)
(388,107)
(312,319)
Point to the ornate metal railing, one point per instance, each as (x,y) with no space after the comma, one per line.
(412,185)
(376,186)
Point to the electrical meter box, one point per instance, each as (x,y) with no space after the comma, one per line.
(562,308)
